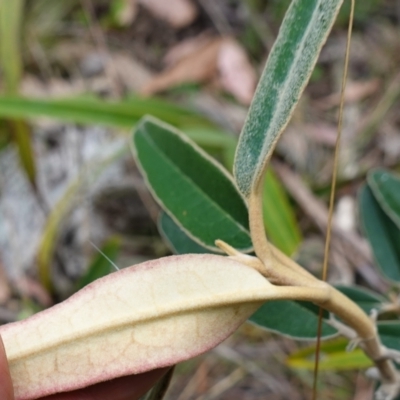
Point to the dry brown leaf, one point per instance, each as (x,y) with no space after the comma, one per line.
(132,74)
(198,66)
(236,73)
(178,13)
(186,48)
(321,133)
(31,289)
(355,91)
(202,59)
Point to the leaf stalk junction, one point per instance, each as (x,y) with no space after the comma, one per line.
(293,282)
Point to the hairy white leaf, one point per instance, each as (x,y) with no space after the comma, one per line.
(288,69)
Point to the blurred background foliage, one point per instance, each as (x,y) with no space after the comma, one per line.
(75,78)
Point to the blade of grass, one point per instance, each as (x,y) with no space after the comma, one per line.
(60,210)
(22,138)
(11,13)
(121,114)
(10,43)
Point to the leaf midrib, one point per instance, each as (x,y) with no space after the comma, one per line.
(188,179)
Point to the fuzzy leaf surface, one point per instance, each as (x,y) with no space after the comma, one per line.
(190,186)
(382,233)
(151,315)
(288,69)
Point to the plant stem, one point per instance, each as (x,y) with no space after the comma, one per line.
(295,283)
(279,268)
(257,229)
(353,316)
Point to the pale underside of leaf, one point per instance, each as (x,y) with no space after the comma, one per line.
(289,66)
(147,316)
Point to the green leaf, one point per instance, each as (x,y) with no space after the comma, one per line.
(211,138)
(386,189)
(11,17)
(364,298)
(382,233)
(159,390)
(389,332)
(176,238)
(333,357)
(123,114)
(296,319)
(190,186)
(94,111)
(22,139)
(288,69)
(101,264)
(279,219)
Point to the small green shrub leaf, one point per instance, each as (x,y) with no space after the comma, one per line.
(389,332)
(288,69)
(176,238)
(386,189)
(190,186)
(382,233)
(364,298)
(296,319)
(299,319)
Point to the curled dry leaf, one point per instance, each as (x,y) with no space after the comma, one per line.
(355,91)
(198,66)
(144,317)
(204,59)
(186,48)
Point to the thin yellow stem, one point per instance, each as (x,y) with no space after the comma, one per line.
(333,190)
